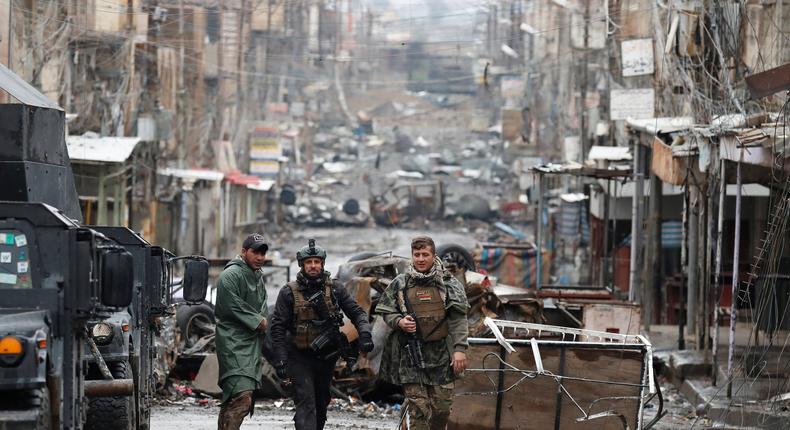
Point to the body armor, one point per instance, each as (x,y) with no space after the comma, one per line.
(304,327)
(426,302)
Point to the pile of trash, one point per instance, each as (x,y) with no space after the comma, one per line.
(183,394)
(362,409)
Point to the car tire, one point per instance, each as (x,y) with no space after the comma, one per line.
(113,413)
(457,254)
(187,318)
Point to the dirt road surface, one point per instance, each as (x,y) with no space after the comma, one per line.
(205,418)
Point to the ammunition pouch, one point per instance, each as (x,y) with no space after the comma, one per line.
(307,323)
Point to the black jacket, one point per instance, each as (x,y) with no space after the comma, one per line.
(282,320)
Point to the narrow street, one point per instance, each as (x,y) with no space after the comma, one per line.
(542,213)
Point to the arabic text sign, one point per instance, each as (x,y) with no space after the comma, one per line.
(636,103)
(637,57)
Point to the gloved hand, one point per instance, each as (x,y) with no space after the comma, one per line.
(281,369)
(365,341)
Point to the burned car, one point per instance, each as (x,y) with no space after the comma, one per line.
(408,200)
(366,276)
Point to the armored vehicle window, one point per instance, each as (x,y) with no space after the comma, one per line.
(14,260)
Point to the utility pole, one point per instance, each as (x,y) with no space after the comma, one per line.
(717,286)
(636,223)
(181,149)
(583,110)
(735,272)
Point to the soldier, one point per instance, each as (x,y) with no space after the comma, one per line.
(241,325)
(305,335)
(426,350)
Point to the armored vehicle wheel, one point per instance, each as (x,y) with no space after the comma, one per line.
(113,413)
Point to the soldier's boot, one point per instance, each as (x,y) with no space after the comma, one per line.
(232,413)
(441,403)
(419,405)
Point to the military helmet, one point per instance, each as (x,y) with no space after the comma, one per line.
(310,251)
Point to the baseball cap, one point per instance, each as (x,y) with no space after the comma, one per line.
(255,242)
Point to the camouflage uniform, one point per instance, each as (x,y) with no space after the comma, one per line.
(429,391)
(232,412)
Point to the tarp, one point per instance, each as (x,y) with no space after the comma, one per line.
(515,266)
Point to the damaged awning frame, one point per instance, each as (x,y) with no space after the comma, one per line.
(531,338)
(576,169)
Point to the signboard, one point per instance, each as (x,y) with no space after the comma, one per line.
(636,103)
(265,150)
(264,167)
(637,57)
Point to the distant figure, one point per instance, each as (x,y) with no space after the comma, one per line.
(241,325)
(426,350)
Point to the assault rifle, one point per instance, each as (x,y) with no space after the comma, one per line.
(414,347)
(331,342)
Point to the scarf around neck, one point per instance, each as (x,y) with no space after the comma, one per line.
(436,272)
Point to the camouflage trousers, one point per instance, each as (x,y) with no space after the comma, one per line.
(429,405)
(232,412)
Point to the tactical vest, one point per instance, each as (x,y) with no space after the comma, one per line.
(305,331)
(426,302)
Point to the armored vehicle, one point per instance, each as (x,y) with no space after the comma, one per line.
(55,274)
(125,340)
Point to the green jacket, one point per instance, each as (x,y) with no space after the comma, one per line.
(240,308)
(395,367)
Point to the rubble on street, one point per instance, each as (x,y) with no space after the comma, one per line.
(209,209)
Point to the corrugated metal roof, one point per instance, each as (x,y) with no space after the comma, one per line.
(610,153)
(101,149)
(194,174)
(661,125)
(22,91)
(238,178)
(262,185)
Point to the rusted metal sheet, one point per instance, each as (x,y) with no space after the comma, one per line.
(554,378)
(669,169)
(512,124)
(769,82)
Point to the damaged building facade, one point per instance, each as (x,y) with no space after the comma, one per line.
(617,166)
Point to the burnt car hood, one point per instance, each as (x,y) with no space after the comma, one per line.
(24,323)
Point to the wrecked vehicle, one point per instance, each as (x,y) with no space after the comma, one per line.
(324,212)
(367,275)
(596,380)
(405,201)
